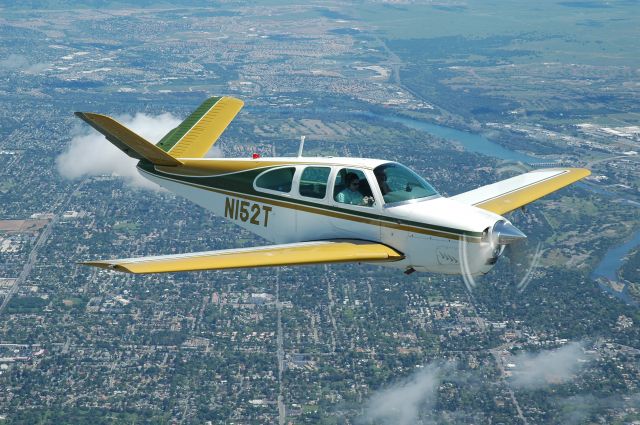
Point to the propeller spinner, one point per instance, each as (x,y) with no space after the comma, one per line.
(505,233)
(497,238)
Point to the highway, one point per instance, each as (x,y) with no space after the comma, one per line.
(282,410)
(33,255)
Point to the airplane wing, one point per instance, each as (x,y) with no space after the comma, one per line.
(328,251)
(510,194)
(195,135)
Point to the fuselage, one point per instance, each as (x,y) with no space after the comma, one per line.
(287,200)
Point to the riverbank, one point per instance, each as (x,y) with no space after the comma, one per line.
(606,272)
(472,142)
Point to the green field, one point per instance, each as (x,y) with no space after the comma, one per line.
(588,32)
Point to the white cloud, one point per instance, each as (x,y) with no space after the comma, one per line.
(215,152)
(14,61)
(90,154)
(548,366)
(408,400)
(37,68)
(21,63)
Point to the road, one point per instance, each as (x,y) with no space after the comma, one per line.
(394,62)
(282,411)
(496,355)
(334,327)
(33,255)
(591,163)
(31,261)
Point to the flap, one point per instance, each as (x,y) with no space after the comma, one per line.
(510,194)
(329,251)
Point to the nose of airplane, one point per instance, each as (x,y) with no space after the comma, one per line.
(506,233)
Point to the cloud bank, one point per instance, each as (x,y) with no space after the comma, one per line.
(90,154)
(548,367)
(403,402)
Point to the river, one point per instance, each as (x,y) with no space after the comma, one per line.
(611,263)
(473,142)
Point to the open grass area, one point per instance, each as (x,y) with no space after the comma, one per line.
(599,31)
(126,227)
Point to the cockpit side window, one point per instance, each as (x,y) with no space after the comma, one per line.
(352,188)
(398,183)
(279,180)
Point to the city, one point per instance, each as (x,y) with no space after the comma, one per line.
(315,344)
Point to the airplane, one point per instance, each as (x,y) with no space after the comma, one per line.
(318,210)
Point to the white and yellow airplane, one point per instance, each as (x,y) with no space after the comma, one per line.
(324,209)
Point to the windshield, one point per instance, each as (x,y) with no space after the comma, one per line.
(398,183)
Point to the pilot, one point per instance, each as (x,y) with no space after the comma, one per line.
(351,193)
(381,177)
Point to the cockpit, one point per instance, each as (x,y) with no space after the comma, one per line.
(398,183)
(351,186)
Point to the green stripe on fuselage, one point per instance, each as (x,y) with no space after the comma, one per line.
(241,183)
(172,137)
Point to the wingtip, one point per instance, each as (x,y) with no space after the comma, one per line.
(85,116)
(239,102)
(90,115)
(580,173)
(576,171)
(100,264)
(107,265)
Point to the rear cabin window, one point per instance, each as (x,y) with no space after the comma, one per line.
(279,180)
(313,182)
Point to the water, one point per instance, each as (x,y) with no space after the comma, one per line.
(611,263)
(472,142)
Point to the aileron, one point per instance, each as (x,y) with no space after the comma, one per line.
(330,251)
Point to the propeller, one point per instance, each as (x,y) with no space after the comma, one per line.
(523,261)
(503,242)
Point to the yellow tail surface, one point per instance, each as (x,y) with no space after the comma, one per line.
(197,134)
(191,139)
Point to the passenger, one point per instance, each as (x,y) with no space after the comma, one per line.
(381,177)
(351,193)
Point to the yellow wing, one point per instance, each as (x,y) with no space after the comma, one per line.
(195,135)
(329,251)
(510,194)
